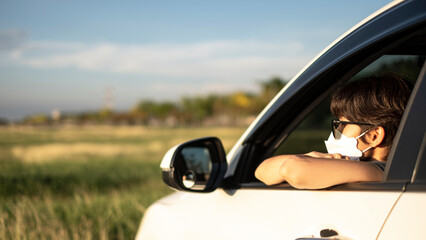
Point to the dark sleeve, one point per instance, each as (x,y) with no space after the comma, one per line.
(380,165)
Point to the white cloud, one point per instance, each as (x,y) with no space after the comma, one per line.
(245,60)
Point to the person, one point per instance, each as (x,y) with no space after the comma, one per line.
(369,113)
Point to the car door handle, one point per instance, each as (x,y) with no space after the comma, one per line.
(318,238)
(325,234)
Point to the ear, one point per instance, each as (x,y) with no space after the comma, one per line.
(376,136)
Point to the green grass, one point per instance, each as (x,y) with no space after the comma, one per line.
(85,183)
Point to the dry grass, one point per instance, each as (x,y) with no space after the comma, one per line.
(49,152)
(85,183)
(47,144)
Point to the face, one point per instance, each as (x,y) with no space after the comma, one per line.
(352,130)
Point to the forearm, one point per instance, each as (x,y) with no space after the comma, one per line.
(316,173)
(304,171)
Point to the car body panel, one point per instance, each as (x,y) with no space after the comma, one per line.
(254,214)
(407,220)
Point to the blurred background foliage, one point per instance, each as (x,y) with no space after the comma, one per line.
(235,108)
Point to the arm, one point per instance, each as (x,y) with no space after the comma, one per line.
(315,170)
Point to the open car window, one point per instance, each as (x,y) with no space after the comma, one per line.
(299,120)
(310,134)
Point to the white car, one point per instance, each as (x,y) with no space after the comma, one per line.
(218,196)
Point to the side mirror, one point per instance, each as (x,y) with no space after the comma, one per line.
(198,165)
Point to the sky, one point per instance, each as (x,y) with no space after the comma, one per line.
(75,55)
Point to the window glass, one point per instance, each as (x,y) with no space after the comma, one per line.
(316,127)
(407,66)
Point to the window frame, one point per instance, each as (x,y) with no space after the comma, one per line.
(403,142)
(340,72)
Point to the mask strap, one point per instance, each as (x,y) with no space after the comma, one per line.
(362,134)
(367,149)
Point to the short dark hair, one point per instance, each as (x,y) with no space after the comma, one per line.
(378,100)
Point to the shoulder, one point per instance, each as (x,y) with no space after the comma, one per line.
(379,164)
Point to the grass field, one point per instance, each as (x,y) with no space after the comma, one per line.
(85,182)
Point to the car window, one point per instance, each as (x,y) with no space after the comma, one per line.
(316,127)
(299,121)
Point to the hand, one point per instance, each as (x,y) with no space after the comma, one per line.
(326,155)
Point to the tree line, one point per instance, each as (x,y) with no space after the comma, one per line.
(237,108)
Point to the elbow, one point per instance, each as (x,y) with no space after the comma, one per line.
(299,183)
(296,180)
(280,169)
(263,177)
(293,172)
(258,174)
(267,172)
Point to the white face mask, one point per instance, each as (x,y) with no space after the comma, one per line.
(345,146)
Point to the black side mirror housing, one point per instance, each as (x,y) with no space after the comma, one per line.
(197,166)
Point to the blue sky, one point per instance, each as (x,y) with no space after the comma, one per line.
(63,54)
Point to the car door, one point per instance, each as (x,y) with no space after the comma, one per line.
(351,211)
